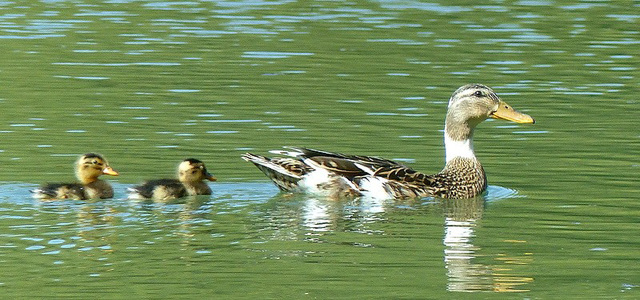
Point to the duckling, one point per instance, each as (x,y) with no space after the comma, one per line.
(317,171)
(191,174)
(88,168)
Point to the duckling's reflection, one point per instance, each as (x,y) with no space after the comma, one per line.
(186,210)
(91,223)
(96,223)
(465,275)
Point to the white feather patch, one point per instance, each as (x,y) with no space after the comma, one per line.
(366,169)
(292,152)
(374,187)
(312,182)
(455,149)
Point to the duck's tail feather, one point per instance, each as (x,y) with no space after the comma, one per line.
(295,152)
(284,172)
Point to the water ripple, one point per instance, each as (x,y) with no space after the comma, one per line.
(267,54)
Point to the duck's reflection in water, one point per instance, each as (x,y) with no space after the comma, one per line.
(316,216)
(321,215)
(469,267)
(465,274)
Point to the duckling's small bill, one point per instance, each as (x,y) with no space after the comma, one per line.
(110,171)
(210,177)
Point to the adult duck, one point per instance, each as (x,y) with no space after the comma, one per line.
(336,174)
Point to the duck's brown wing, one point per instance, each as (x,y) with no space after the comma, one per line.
(338,163)
(405,174)
(373,160)
(286,172)
(404,182)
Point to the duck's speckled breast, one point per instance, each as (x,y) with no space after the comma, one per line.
(461,178)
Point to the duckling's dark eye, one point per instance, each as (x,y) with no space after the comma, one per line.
(194,171)
(478,94)
(95,162)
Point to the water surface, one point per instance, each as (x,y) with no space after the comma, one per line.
(148,84)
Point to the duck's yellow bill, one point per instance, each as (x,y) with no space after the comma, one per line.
(211,177)
(110,171)
(506,112)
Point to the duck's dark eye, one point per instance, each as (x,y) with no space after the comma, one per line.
(478,94)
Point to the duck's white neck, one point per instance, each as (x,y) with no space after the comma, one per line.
(460,148)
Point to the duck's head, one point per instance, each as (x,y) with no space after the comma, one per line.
(473,103)
(90,166)
(193,170)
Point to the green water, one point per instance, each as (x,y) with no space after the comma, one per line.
(148,84)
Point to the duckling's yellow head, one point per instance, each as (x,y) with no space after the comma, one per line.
(473,103)
(91,165)
(193,170)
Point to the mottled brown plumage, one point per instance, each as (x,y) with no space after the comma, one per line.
(461,178)
(312,170)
